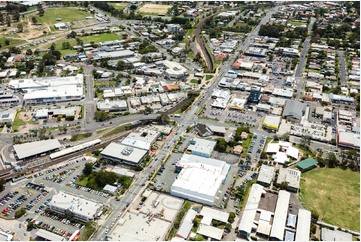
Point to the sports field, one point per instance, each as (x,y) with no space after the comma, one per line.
(66,14)
(119,6)
(154,9)
(334,194)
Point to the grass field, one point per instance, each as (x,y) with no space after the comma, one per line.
(18,122)
(116,130)
(101,38)
(59,43)
(334,194)
(67,14)
(154,9)
(13,42)
(78,137)
(119,6)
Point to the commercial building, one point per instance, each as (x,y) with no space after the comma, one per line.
(199,178)
(303,225)
(348,139)
(113,55)
(46,90)
(49,236)
(271,122)
(294,110)
(187,224)
(110,189)
(201,147)
(281,151)
(237,103)
(112,106)
(140,144)
(265,175)
(32,149)
(119,171)
(174,70)
(292,177)
(148,134)
(5,236)
(7,116)
(334,235)
(77,207)
(255,95)
(123,154)
(280,216)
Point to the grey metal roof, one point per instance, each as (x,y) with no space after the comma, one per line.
(294,108)
(34,148)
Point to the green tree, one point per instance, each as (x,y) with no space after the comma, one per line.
(30,226)
(284,185)
(20,28)
(2,184)
(20,212)
(163,118)
(7,42)
(40,10)
(34,20)
(332,160)
(29,52)
(221,145)
(88,169)
(231,217)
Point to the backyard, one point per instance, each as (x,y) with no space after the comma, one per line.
(335,194)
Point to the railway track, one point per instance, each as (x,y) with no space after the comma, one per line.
(32,168)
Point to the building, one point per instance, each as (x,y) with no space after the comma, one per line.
(334,235)
(113,55)
(307,164)
(61,26)
(348,139)
(173,28)
(7,116)
(5,236)
(218,130)
(112,106)
(303,225)
(48,236)
(140,144)
(292,177)
(254,96)
(271,122)
(77,207)
(202,130)
(47,90)
(282,151)
(174,70)
(201,147)
(199,178)
(280,216)
(110,189)
(123,154)
(187,224)
(147,134)
(265,175)
(119,171)
(37,148)
(294,110)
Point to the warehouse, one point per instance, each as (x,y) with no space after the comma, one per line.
(348,139)
(113,54)
(303,225)
(27,150)
(112,106)
(7,116)
(280,216)
(201,147)
(123,154)
(77,207)
(199,178)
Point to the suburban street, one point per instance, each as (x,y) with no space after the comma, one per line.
(341,56)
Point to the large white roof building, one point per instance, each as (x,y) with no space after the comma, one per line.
(27,150)
(199,179)
(202,147)
(80,208)
(123,154)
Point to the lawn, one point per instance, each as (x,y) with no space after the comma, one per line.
(119,6)
(59,45)
(67,14)
(101,38)
(79,137)
(245,144)
(208,77)
(101,130)
(13,42)
(116,130)
(335,194)
(17,122)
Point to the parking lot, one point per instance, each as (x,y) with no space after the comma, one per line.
(256,146)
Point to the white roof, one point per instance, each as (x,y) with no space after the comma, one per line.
(42,82)
(214,214)
(115,54)
(266,174)
(110,105)
(349,138)
(75,204)
(145,134)
(334,235)
(217,129)
(74,148)
(48,235)
(121,171)
(110,188)
(293,152)
(200,178)
(202,146)
(36,148)
(303,225)
(265,216)
(250,210)
(272,148)
(273,121)
(41,113)
(293,177)
(123,152)
(210,231)
(264,228)
(136,143)
(279,221)
(187,224)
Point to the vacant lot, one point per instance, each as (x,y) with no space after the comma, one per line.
(334,194)
(101,38)
(154,9)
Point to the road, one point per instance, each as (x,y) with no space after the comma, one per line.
(188,119)
(341,55)
(89,103)
(302,62)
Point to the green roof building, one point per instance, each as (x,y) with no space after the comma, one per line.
(307,164)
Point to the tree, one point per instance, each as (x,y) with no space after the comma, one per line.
(332,160)
(1,17)
(41,10)
(20,212)
(65,46)
(16,16)
(29,52)
(121,65)
(20,28)
(7,42)
(228,227)
(221,145)
(34,20)
(306,140)
(52,46)
(88,169)
(8,20)
(284,185)
(2,184)
(163,118)
(148,110)
(72,34)
(231,217)
(30,226)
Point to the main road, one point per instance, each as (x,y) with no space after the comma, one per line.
(189,119)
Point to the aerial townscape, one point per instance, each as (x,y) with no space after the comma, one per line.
(179,121)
